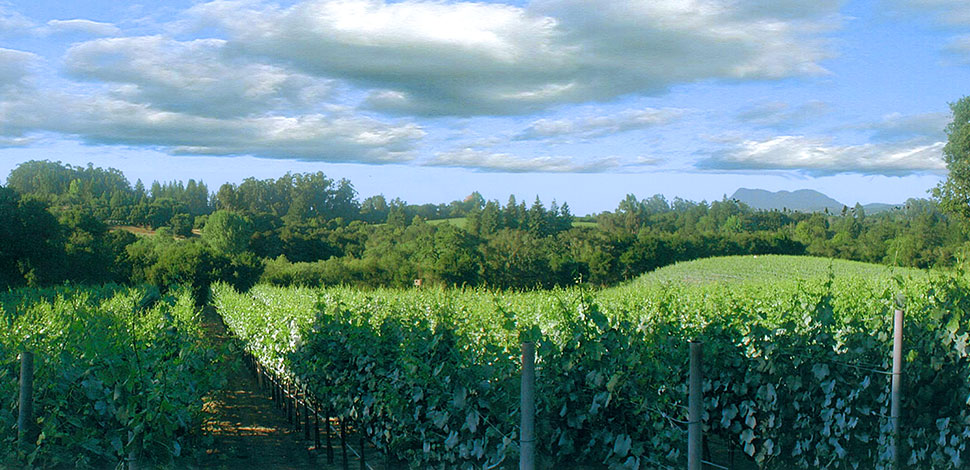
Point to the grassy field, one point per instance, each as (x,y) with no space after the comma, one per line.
(456,221)
(767,268)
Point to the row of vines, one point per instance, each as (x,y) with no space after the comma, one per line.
(120,373)
(795,373)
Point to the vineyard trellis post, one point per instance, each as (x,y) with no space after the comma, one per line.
(527,443)
(25,413)
(695,407)
(343,443)
(361,441)
(897,384)
(329,442)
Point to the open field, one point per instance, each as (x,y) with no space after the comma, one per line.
(769,269)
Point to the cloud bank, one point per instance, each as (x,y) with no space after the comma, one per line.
(818,156)
(508,163)
(597,126)
(462,58)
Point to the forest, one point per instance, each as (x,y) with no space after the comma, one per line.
(65,223)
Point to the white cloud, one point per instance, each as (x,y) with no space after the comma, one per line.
(820,156)
(106,120)
(948,14)
(93,28)
(191,98)
(952,12)
(508,163)
(8,142)
(109,118)
(896,126)
(15,84)
(197,77)
(12,22)
(15,68)
(463,58)
(781,115)
(960,47)
(597,126)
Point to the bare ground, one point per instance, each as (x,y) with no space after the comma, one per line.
(248,431)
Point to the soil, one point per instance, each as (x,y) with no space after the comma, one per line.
(248,431)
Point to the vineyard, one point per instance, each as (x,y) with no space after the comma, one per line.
(796,364)
(796,369)
(119,376)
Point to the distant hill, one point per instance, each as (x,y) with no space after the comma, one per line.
(804,200)
(879,207)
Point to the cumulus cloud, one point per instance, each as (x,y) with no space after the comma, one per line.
(819,156)
(105,120)
(781,115)
(464,58)
(92,28)
(197,77)
(8,142)
(13,22)
(128,117)
(15,68)
(508,163)
(597,126)
(896,126)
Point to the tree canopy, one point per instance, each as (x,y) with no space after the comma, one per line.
(954,192)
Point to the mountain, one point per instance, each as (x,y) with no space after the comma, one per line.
(804,200)
(879,207)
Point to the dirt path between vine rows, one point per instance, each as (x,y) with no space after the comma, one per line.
(248,431)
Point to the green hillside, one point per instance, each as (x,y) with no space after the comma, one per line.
(767,268)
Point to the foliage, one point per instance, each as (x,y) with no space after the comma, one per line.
(118,372)
(227,232)
(164,261)
(796,370)
(316,232)
(954,192)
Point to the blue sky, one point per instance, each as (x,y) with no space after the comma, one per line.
(431,100)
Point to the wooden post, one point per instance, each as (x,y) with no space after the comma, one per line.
(306,415)
(289,403)
(25,416)
(316,426)
(343,443)
(132,456)
(274,389)
(329,434)
(363,444)
(296,409)
(695,405)
(527,443)
(897,384)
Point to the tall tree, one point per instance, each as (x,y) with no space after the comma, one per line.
(954,192)
(227,232)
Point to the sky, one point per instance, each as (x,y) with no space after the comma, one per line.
(569,100)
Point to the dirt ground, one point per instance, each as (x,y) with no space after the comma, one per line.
(248,431)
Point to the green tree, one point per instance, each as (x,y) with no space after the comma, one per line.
(227,232)
(954,192)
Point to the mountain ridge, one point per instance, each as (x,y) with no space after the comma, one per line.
(802,200)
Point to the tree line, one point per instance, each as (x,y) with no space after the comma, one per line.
(64,223)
